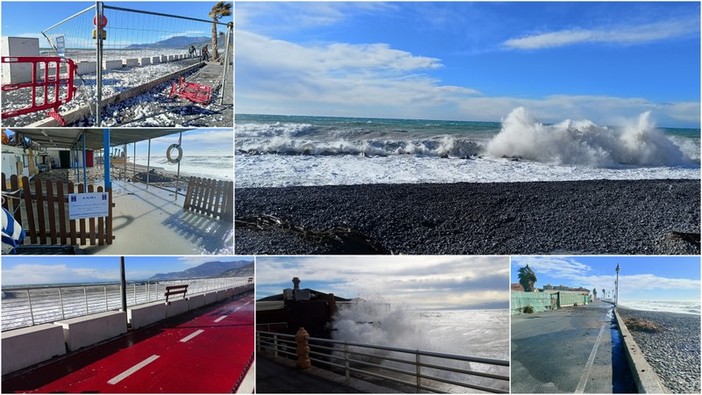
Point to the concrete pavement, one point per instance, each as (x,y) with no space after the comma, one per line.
(568,350)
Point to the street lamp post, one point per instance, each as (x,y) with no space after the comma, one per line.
(616,287)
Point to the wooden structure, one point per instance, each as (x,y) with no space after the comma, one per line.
(42,210)
(210,197)
(172,290)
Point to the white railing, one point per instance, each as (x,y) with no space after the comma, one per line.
(22,307)
(423,370)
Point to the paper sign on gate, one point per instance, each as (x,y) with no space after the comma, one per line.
(87,205)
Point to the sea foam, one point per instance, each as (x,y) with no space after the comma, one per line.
(637,142)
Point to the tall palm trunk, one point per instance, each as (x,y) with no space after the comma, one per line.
(215,54)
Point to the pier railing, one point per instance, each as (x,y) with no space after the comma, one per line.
(424,370)
(23,307)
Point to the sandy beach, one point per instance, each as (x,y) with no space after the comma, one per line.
(578,217)
(674,353)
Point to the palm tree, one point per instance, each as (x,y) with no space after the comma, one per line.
(527,278)
(218,10)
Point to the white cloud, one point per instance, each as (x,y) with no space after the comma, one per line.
(638,34)
(374,80)
(431,282)
(36,273)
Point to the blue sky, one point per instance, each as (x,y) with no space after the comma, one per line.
(57,269)
(601,61)
(29,19)
(424,282)
(656,278)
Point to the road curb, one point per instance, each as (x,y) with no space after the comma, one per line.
(646,379)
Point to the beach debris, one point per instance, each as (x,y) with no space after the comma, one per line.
(196,93)
(692,238)
(339,240)
(641,325)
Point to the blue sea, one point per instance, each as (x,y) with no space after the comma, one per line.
(274,150)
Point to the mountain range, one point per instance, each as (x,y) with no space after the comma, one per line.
(175,42)
(210,269)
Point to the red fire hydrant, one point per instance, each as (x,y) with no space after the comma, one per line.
(303,349)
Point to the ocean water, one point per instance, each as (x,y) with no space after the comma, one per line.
(207,166)
(301,150)
(692,307)
(476,333)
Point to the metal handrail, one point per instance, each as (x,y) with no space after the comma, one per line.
(29,306)
(345,356)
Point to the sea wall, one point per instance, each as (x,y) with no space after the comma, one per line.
(25,347)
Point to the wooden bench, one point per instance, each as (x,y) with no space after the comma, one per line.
(175,290)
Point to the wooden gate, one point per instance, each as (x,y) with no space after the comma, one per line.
(43,212)
(210,197)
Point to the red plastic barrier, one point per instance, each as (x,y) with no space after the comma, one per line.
(194,92)
(49,90)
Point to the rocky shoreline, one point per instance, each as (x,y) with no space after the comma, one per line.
(631,217)
(674,352)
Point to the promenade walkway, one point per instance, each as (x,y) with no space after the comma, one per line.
(206,351)
(565,351)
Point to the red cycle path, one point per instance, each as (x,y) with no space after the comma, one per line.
(207,353)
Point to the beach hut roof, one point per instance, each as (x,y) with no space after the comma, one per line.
(70,137)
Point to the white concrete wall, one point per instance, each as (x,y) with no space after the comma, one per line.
(112,64)
(176,307)
(143,315)
(15,73)
(210,297)
(196,301)
(86,67)
(144,61)
(221,295)
(91,329)
(25,347)
(130,62)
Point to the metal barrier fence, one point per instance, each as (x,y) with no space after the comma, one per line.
(132,38)
(22,307)
(423,370)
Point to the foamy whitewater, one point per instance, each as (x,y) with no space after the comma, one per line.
(692,307)
(207,166)
(300,150)
(477,333)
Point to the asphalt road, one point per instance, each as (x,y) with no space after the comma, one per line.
(563,351)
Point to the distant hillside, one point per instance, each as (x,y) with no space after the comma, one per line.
(175,42)
(210,269)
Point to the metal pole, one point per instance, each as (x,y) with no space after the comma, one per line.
(98,56)
(124,149)
(134,160)
(225,71)
(180,140)
(106,158)
(419,373)
(148,164)
(31,311)
(85,294)
(85,166)
(616,287)
(123,282)
(63,313)
(107,307)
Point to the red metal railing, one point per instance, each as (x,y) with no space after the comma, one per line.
(49,88)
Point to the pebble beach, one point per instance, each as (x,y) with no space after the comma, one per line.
(674,353)
(630,217)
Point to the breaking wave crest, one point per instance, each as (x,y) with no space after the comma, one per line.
(636,143)
(298,139)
